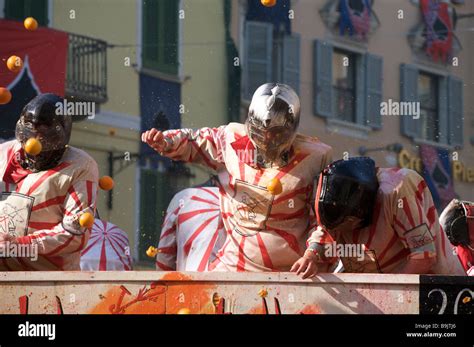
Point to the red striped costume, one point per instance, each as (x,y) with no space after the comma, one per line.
(58,197)
(264,232)
(405,225)
(108,249)
(192,232)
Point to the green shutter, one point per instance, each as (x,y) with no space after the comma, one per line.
(150,32)
(169,36)
(148,202)
(291,61)
(21,9)
(373,90)
(409,92)
(323,79)
(455,108)
(161,35)
(258,56)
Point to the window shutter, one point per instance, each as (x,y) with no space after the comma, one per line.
(409,92)
(20,9)
(150,30)
(14,9)
(39,10)
(291,61)
(169,36)
(323,79)
(148,211)
(455,109)
(360,88)
(373,90)
(258,56)
(443,116)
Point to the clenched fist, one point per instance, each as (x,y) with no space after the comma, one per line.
(155,139)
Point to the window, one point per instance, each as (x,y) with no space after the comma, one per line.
(428,94)
(343,84)
(156,191)
(21,9)
(347,85)
(160,35)
(155,195)
(270,56)
(441,106)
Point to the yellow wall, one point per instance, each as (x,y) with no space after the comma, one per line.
(203,53)
(114,21)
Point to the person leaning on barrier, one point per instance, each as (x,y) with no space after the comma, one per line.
(387,214)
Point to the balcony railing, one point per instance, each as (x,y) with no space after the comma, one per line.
(86,77)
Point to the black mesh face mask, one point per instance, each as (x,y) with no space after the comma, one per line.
(39,121)
(460,225)
(340,196)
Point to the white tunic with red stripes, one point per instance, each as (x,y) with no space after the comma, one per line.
(264,232)
(47,207)
(192,232)
(108,249)
(405,226)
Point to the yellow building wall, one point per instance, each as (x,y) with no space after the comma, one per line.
(204,68)
(114,21)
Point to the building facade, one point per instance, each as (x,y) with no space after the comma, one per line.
(353,67)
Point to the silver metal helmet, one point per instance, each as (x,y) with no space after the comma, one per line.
(274,116)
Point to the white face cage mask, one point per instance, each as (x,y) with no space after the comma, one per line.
(272,122)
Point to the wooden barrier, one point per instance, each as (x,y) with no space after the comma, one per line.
(154,292)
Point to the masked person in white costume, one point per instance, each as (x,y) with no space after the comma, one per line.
(267,172)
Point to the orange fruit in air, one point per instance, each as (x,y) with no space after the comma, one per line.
(5,96)
(30,24)
(14,63)
(184,311)
(151,252)
(106,183)
(274,186)
(86,220)
(268,3)
(33,147)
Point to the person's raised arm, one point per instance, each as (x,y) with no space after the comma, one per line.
(203,146)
